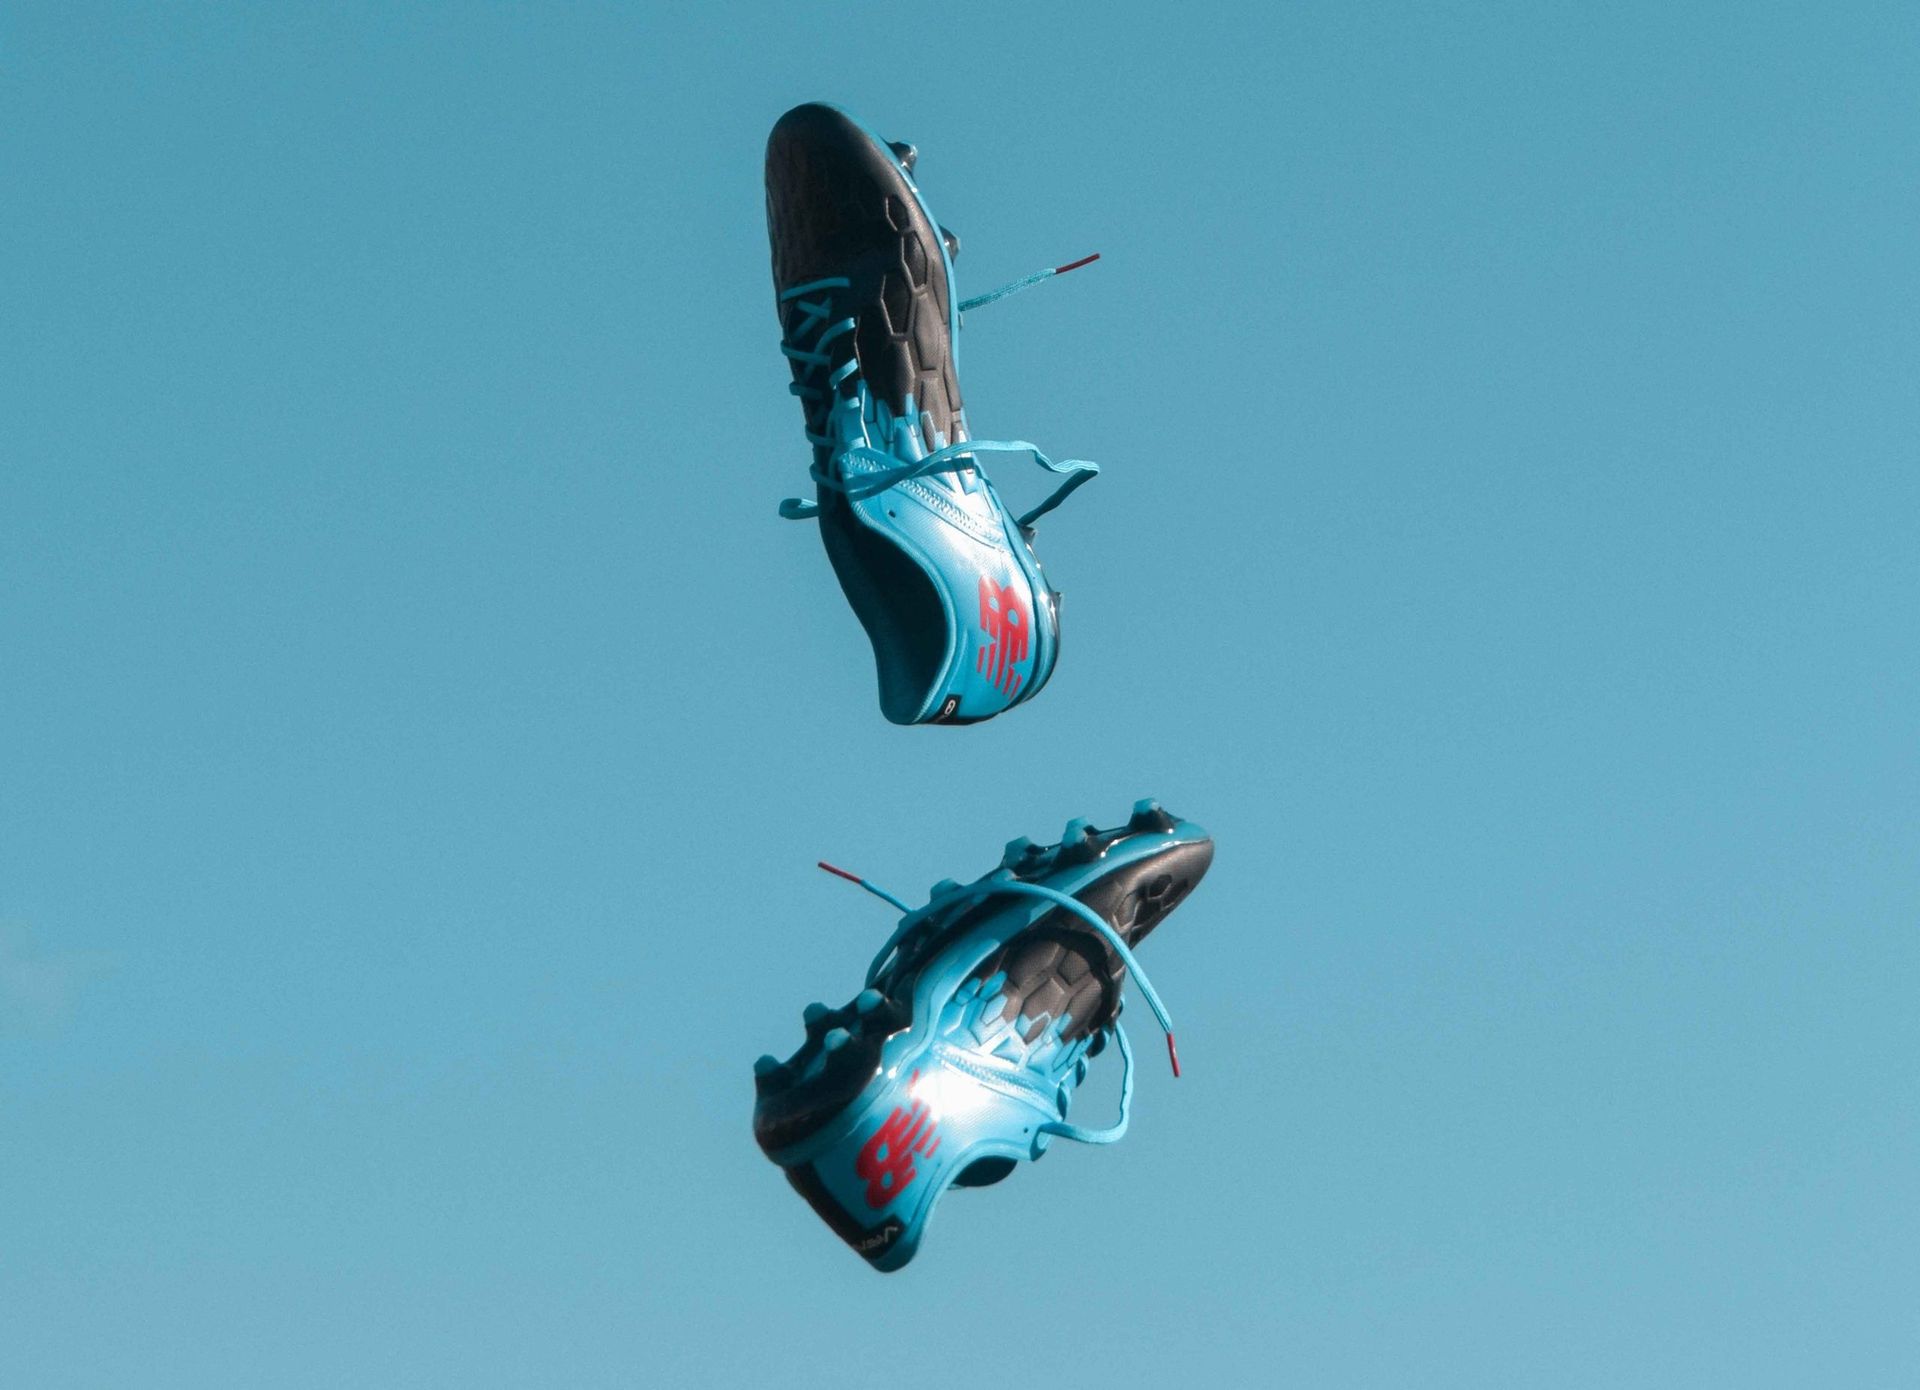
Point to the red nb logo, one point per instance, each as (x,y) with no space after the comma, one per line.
(886,1160)
(1004,619)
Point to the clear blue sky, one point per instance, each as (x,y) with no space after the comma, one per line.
(417,729)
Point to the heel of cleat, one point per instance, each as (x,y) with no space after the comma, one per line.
(838,1057)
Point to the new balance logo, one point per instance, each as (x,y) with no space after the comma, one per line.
(885,1161)
(1005,621)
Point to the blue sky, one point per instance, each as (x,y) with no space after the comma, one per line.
(417,729)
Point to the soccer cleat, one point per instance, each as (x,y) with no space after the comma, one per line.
(941,574)
(960,1055)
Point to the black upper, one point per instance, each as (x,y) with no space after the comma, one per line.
(839,205)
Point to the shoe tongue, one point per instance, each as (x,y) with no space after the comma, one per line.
(909,436)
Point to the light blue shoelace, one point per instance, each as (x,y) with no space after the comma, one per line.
(817,312)
(818,327)
(1084,1134)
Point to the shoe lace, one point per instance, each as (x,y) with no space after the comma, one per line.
(995,887)
(807,341)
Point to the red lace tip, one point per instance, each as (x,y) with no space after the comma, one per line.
(1173,1055)
(1075,265)
(850,878)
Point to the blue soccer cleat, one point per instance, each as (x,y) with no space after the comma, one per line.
(960,1056)
(942,576)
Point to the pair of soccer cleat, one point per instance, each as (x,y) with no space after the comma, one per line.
(960,1055)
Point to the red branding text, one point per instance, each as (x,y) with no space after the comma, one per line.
(1005,621)
(885,1161)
